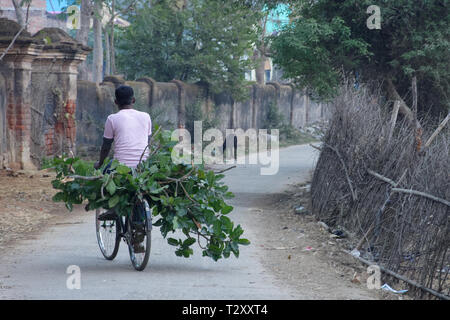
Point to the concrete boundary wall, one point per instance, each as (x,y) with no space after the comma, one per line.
(168,102)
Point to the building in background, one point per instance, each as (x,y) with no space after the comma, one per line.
(276,19)
(41,14)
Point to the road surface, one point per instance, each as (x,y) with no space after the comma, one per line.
(36,268)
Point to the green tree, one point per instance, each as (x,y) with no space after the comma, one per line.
(204,40)
(327,39)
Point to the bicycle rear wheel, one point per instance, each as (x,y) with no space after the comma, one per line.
(140,233)
(108,236)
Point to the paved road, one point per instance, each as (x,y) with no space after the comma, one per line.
(36,268)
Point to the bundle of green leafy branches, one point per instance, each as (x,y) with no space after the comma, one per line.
(182,197)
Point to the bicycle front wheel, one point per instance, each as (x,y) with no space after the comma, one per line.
(108,236)
(139,230)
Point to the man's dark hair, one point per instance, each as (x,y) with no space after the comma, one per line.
(124,95)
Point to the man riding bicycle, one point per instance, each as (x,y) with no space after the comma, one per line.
(130,131)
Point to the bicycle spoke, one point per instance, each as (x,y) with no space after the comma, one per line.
(107,237)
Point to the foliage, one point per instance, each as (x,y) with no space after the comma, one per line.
(273,119)
(327,38)
(194,113)
(288,134)
(308,50)
(182,197)
(208,41)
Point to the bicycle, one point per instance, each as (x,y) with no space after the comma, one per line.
(135,229)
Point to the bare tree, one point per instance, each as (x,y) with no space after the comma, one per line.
(259,54)
(19,12)
(98,44)
(115,9)
(83,34)
(107,51)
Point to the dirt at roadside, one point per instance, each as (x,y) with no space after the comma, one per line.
(303,255)
(26,205)
(297,251)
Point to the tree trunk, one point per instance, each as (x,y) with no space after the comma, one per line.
(112,54)
(98,46)
(19,13)
(83,35)
(404,109)
(260,70)
(417,129)
(107,52)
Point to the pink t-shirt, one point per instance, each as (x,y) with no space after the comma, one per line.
(130,130)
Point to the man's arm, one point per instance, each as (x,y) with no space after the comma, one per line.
(106,148)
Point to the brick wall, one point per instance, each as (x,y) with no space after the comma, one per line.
(37,94)
(38,17)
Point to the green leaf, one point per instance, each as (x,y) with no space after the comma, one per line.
(122,169)
(187,252)
(153,169)
(173,242)
(181,211)
(113,201)
(244,242)
(111,187)
(69,206)
(60,196)
(188,242)
(217,227)
(226,209)
(210,177)
(226,223)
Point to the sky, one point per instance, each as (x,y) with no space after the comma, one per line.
(277,18)
(55,5)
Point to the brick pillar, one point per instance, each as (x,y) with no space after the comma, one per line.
(291,103)
(153,89)
(181,103)
(60,59)
(307,101)
(16,65)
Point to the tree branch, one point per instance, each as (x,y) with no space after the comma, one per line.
(403,108)
(354,195)
(19,13)
(13,40)
(422,194)
(86,178)
(400,277)
(409,191)
(393,119)
(436,132)
(222,171)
